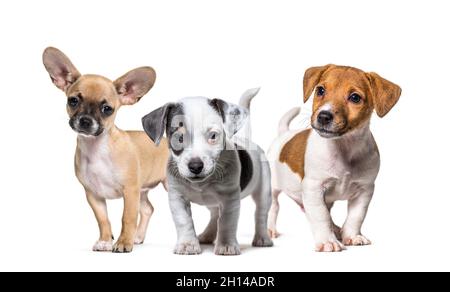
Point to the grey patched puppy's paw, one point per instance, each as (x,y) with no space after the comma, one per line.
(188,248)
(262,241)
(227,249)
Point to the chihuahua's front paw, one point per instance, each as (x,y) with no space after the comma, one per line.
(123,246)
(262,241)
(102,245)
(330,246)
(138,239)
(227,249)
(356,240)
(188,248)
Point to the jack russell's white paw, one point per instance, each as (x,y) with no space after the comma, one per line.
(227,249)
(330,246)
(102,245)
(188,248)
(356,240)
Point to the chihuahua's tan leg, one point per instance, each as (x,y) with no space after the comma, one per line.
(145,213)
(129,220)
(98,205)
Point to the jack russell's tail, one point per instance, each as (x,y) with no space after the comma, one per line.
(247,97)
(283,125)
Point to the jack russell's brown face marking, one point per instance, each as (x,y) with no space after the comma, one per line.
(345,97)
(339,160)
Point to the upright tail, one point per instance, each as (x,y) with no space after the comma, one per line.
(283,125)
(247,97)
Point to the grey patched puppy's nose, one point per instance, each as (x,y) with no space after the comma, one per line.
(324,118)
(85,123)
(195,165)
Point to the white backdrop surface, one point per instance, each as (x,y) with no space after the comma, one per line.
(219,49)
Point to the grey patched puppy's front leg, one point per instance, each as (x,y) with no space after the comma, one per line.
(209,234)
(187,242)
(229,210)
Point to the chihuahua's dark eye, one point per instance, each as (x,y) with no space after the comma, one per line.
(107,110)
(320,91)
(73,101)
(180,139)
(355,98)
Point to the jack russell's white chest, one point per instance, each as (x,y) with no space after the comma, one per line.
(343,173)
(96,170)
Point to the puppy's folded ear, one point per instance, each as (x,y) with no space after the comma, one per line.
(385,93)
(155,123)
(62,72)
(132,86)
(233,116)
(311,78)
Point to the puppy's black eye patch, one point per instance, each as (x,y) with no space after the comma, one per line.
(177,143)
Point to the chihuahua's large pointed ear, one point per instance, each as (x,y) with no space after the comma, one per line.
(311,78)
(233,116)
(155,123)
(385,93)
(62,72)
(135,84)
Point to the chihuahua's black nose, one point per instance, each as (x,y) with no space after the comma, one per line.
(85,123)
(324,118)
(195,165)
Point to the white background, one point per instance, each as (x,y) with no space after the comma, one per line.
(219,49)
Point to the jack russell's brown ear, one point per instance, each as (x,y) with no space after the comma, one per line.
(385,93)
(62,72)
(311,78)
(132,86)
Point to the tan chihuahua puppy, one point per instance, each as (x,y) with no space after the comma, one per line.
(110,163)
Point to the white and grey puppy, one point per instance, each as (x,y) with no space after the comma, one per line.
(207,167)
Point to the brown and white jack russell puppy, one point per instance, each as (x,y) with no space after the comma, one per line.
(336,160)
(110,163)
